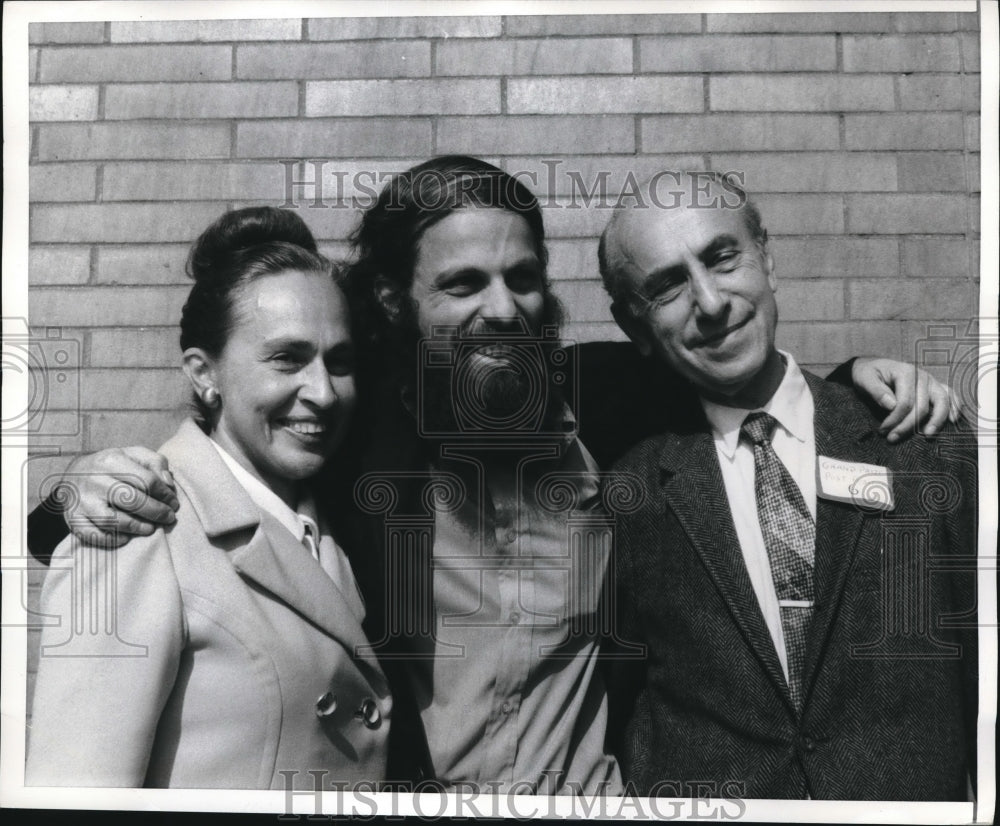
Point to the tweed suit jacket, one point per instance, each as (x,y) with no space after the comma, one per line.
(889,708)
(226,633)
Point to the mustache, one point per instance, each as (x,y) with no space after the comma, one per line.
(506,329)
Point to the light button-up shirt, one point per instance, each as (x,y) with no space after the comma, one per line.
(512,699)
(794,443)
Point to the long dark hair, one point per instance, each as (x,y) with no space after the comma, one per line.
(386,244)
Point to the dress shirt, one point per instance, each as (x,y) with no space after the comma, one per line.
(511,699)
(794,442)
(324,549)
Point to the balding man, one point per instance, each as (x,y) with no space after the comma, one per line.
(780,571)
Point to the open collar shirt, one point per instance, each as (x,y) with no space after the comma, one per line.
(512,699)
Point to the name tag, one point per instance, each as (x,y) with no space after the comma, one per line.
(869,486)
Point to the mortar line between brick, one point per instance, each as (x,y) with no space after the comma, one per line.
(92,265)
(966,161)
(85,434)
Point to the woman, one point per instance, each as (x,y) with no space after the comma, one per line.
(235,657)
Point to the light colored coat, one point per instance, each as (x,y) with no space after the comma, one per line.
(198,655)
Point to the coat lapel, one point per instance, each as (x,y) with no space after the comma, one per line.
(843,431)
(261,549)
(693,489)
(275,561)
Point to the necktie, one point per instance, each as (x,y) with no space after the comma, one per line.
(790,538)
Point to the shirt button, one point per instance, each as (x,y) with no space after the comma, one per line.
(368,713)
(506,708)
(514,618)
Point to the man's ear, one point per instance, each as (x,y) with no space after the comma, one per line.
(765,253)
(200,370)
(633,328)
(389,297)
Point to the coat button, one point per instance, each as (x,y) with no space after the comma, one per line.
(809,744)
(368,713)
(326,705)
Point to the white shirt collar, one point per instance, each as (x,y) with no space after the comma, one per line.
(268,501)
(785,405)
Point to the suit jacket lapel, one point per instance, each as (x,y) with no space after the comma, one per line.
(843,431)
(693,489)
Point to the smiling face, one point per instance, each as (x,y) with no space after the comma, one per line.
(285,377)
(703,298)
(478,272)
(477,268)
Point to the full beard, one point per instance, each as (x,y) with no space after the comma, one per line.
(494,396)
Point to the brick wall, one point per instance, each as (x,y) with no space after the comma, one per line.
(859,132)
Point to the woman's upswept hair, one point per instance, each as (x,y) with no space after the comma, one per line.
(238,247)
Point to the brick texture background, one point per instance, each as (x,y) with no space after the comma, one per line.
(859,132)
